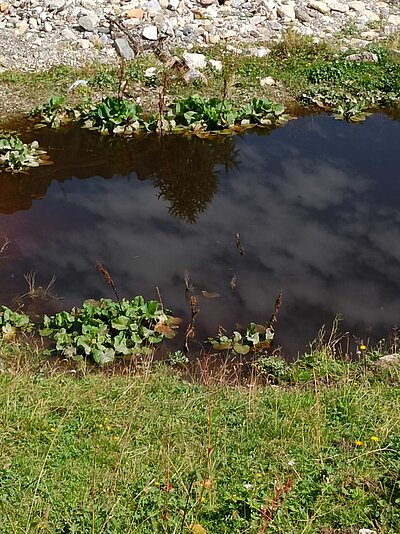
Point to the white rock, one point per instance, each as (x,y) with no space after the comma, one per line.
(173,5)
(394,19)
(150,33)
(193,75)
(320,6)
(78,83)
(357,5)
(215,64)
(337,6)
(88,22)
(84,44)
(55,5)
(267,81)
(259,52)
(22,27)
(68,34)
(389,360)
(286,11)
(366,531)
(195,61)
(33,23)
(48,27)
(372,17)
(151,72)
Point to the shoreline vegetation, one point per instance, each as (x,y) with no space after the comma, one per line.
(296,72)
(220,444)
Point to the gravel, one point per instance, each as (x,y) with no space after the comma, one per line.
(36,35)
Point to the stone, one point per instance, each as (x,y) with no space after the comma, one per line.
(320,6)
(366,531)
(337,6)
(206,3)
(48,27)
(214,38)
(394,19)
(22,27)
(4,7)
(68,34)
(173,5)
(153,5)
(150,33)
(124,49)
(259,52)
(55,5)
(390,360)
(371,16)
(33,23)
(76,84)
(151,72)
(302,15)
(84,44)
(267,81)
(286,11)
(195,61)
(215,64)
(137,13)
(88,22)
(363,57)
(357,5)
(194,75)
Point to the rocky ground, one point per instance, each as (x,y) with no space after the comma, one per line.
(36,34)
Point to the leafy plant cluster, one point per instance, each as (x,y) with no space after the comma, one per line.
(114,116)
(255,338)
(118,116)
(349,88)
(54,113)
(12,322)
(17,156)
(107,330)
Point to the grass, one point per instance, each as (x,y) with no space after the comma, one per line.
(297,64)
(152,451)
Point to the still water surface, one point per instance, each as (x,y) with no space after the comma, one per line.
(316,204)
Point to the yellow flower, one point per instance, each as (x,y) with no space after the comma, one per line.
(156,483)
(40,526)
(203,499)
(259,475)
(100,426)
(52,429)
(375,439)
(115,438)
(358,443)
(108,428)
(362,347)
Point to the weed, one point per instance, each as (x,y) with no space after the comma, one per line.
(12,322)
(106,330)
(17,156)
(113,116)
(256,338)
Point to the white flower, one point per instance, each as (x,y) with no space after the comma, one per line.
(247,486)
(291,463)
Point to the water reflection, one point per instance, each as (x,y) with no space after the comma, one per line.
(315,204)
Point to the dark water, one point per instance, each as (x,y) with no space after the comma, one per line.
(316,204)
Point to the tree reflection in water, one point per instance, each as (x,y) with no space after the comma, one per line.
(184,169)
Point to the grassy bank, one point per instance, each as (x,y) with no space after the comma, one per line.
(317,75)
(152,451)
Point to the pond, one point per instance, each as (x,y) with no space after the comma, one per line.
(315,204)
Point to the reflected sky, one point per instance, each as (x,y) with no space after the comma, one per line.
(315,203)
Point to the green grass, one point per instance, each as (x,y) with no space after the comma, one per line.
(151,452)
